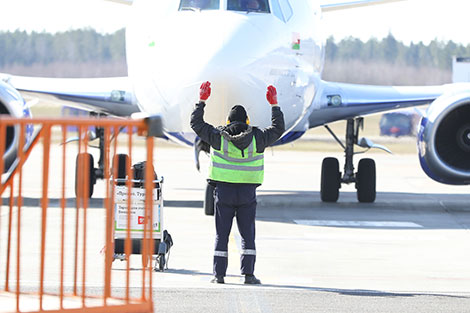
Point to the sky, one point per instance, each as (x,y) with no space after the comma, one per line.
(408,21)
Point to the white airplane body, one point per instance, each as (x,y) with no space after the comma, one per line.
(173,46)
(240,53)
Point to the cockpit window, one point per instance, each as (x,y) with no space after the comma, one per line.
(261,6)
(197,5)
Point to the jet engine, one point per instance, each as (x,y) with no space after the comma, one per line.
(13,104)
(444,139)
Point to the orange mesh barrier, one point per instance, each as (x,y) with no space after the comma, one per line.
(56,242)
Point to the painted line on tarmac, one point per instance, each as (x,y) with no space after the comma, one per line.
(380,224)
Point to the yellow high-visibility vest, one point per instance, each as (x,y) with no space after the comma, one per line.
(232,165)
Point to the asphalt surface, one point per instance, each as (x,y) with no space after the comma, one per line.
(409,251)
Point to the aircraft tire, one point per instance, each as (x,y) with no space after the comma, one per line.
(80,170)
(209,200)
(330,180)
(366,181)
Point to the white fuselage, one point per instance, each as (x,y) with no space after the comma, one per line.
(171,52)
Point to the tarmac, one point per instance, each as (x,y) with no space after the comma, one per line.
(409,251)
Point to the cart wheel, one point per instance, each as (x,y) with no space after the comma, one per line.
(161,262)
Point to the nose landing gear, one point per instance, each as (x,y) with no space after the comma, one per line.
(364,178)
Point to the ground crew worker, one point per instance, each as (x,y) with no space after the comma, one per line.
(236,170)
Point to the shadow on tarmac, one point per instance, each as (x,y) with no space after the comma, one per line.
(302,199)
(70,203)
(366,292)
(431,211)
(428,211)
(95,203)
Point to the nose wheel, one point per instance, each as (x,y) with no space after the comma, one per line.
(364,178)
(365,181)
(330,180)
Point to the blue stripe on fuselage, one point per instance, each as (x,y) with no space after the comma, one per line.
(188,138)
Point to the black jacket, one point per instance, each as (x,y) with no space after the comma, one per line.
(240,134)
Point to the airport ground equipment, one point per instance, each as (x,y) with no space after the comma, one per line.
(130,196)
(54,265)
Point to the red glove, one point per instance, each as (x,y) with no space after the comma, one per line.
(205,91)
(271,95)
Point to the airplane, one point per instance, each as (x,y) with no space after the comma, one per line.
(172,46)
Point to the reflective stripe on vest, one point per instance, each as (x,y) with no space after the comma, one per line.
(232,165)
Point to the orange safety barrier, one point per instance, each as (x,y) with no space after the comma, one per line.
(57,266)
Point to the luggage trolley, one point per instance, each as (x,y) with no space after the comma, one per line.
(162,239)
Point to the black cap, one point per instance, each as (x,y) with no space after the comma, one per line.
(237,114)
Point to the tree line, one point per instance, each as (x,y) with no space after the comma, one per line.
(87,53)
(436,54)
(83,45)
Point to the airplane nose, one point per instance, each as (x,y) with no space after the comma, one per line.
(210,48)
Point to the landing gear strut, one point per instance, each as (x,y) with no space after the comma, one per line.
(364,178)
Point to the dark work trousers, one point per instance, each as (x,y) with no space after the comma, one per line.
(235,200)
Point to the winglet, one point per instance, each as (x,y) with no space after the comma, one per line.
(353,4)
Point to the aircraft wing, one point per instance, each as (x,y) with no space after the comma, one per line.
(338,101)
(328,7)
(112,96)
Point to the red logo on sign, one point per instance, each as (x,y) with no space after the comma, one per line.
(141,220)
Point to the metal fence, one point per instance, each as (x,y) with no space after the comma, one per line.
(55,267)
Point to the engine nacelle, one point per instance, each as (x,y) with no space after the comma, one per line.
(444,139)
(13,104)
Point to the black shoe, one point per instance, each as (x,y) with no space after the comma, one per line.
(252,280)
(218,280)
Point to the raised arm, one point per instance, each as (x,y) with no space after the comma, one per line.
(205,131)
(271,134)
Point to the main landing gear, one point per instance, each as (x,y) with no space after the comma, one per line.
(364,178)
(85,164)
